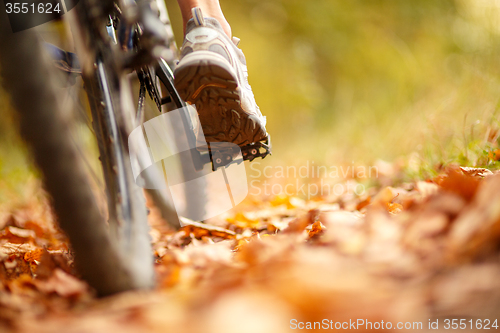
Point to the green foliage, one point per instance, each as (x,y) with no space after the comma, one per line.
(15,170)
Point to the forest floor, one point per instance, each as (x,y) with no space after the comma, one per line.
(401,256)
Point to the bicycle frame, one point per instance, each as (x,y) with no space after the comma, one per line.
(157,40)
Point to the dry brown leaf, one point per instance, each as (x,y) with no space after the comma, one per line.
(374,266)
(394,208)
(278,224)
(200,230)
(384,196)
(49,261)
(63,284)
(473,287)
(476,172)
(426,225)
(340,217)
(39,231)
(200,255)
(299,224)
(289,202)
(426,189)
(16,266)
(316,230)
(460,183)
(344,231)
(243,221)
(448,203)
(248,311)
(363,203)
(494,155)
(34,255)
(17,235)
(259,251)
(12,248)
(476,230)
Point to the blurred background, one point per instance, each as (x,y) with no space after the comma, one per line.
(356,81)
(362,80)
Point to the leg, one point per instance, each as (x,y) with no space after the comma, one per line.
(210,8)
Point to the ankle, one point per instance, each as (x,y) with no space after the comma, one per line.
(222,21)
(225,25)
(209,8)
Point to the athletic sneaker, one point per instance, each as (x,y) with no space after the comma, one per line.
(212,75)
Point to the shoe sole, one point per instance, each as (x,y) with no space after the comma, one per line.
(204,80)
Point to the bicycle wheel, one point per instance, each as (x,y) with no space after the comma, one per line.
(99,258)
(126,204)
(109,99)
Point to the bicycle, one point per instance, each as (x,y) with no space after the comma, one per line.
(112,39)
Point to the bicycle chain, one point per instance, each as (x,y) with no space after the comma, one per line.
(153,92)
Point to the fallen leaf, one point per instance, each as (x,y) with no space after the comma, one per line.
(289,202)
(494,155)
(394,208)
(243,221)
(300,223)
(384,196)
(316,230)
(460,183)
(17,235)
(426,189)
(200,230)
(39,231)
(476,172)
(363,203)
(63,284)
(476,231)
(34,255)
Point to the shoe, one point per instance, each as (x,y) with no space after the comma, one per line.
(212,75)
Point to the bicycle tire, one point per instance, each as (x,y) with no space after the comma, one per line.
(126,204)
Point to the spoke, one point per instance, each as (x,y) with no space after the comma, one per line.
(139,119)
(80,108)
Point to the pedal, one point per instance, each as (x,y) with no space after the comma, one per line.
(224,157)
(258,149)
(221,158)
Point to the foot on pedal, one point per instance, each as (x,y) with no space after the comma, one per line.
(212,75)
